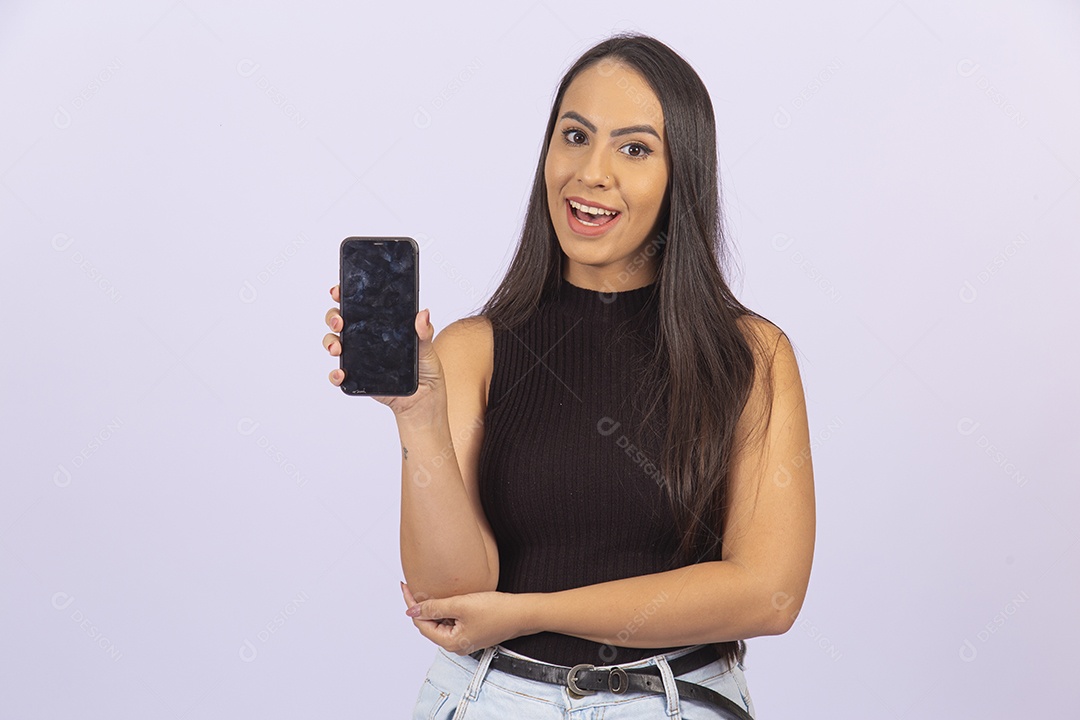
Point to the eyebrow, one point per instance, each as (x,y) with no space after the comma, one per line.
(614,133)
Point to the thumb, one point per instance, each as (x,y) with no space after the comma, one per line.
(425,349)
(424,329)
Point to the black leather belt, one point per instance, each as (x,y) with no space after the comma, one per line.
(582,680)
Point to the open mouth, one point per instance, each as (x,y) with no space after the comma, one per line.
(591,216)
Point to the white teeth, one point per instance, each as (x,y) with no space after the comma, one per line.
(591,210)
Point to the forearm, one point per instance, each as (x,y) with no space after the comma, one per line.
(442,549)
(704,603)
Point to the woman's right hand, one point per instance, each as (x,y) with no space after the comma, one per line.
(430,390)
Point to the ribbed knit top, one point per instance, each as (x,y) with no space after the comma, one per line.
(569,473)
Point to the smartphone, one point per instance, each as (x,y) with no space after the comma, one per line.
(380,287)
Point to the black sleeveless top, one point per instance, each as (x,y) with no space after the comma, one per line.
(569,473)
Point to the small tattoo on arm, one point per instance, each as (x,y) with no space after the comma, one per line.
(404,453)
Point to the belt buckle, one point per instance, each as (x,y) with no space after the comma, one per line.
(576,692)
(617,672)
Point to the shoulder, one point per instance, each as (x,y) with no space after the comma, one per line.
(759,332)
(474,327)
(769,343)
(465,349)
(776,373)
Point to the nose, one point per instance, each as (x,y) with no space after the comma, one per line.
(594,170)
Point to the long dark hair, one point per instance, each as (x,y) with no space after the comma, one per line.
(705,365)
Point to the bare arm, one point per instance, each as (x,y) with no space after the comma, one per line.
(447,546)
(758,587)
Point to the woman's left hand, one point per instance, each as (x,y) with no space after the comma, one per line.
(463,624)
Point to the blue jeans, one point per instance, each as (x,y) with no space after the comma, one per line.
(459,687)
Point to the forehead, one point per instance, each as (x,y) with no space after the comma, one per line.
(611,94)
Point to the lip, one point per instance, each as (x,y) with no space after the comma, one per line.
(592,203)
(577,227)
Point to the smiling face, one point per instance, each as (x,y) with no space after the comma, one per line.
(607,153)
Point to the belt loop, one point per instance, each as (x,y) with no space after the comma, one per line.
(477,679)
(670,689)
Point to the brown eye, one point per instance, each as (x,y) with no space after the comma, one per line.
(641,150)
(572,135)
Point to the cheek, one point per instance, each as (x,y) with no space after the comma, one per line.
(646,195)
(549,179)
(556,170)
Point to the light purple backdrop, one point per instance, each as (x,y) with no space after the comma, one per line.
(196,524)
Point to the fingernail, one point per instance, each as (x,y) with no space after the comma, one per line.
(413,611)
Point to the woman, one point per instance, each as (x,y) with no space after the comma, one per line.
(606,477)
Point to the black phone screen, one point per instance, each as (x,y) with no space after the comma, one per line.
(379,296)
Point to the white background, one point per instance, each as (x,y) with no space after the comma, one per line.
(196,524)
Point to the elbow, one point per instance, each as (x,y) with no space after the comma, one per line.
(781,610)
(454,586)
(451,581)
(778,624)
(490,584)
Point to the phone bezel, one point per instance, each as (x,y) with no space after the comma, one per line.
(415,308)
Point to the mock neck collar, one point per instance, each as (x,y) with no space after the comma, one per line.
(596,305)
